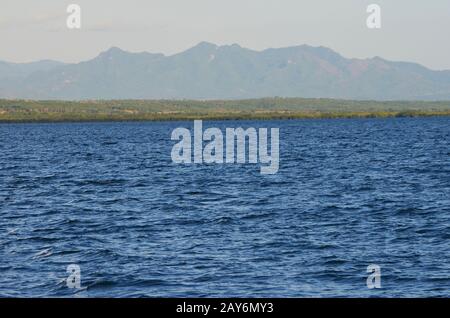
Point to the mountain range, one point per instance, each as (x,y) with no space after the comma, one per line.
(208,71)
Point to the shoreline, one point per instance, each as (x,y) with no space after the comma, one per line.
(112,119)
(33,111)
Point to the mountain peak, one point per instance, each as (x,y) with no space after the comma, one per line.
(113,51)
(204,47)
(205,44)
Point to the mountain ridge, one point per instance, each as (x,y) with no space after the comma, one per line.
(208,71)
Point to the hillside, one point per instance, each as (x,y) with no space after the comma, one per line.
(208,71)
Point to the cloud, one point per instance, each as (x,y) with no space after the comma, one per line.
(34,21)
(117,26)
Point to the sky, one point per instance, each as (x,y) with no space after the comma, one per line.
(411,30)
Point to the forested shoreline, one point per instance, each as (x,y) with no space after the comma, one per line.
(263,109)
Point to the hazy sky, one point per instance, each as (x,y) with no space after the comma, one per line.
(412,30)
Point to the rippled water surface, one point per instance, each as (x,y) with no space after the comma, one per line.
(106,196)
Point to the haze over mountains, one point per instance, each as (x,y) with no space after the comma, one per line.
(207,71)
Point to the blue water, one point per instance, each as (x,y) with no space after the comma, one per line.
(106,196)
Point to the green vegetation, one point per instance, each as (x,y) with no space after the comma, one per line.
(266,108)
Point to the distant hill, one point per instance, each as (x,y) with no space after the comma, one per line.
(12,76)
(207,71)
